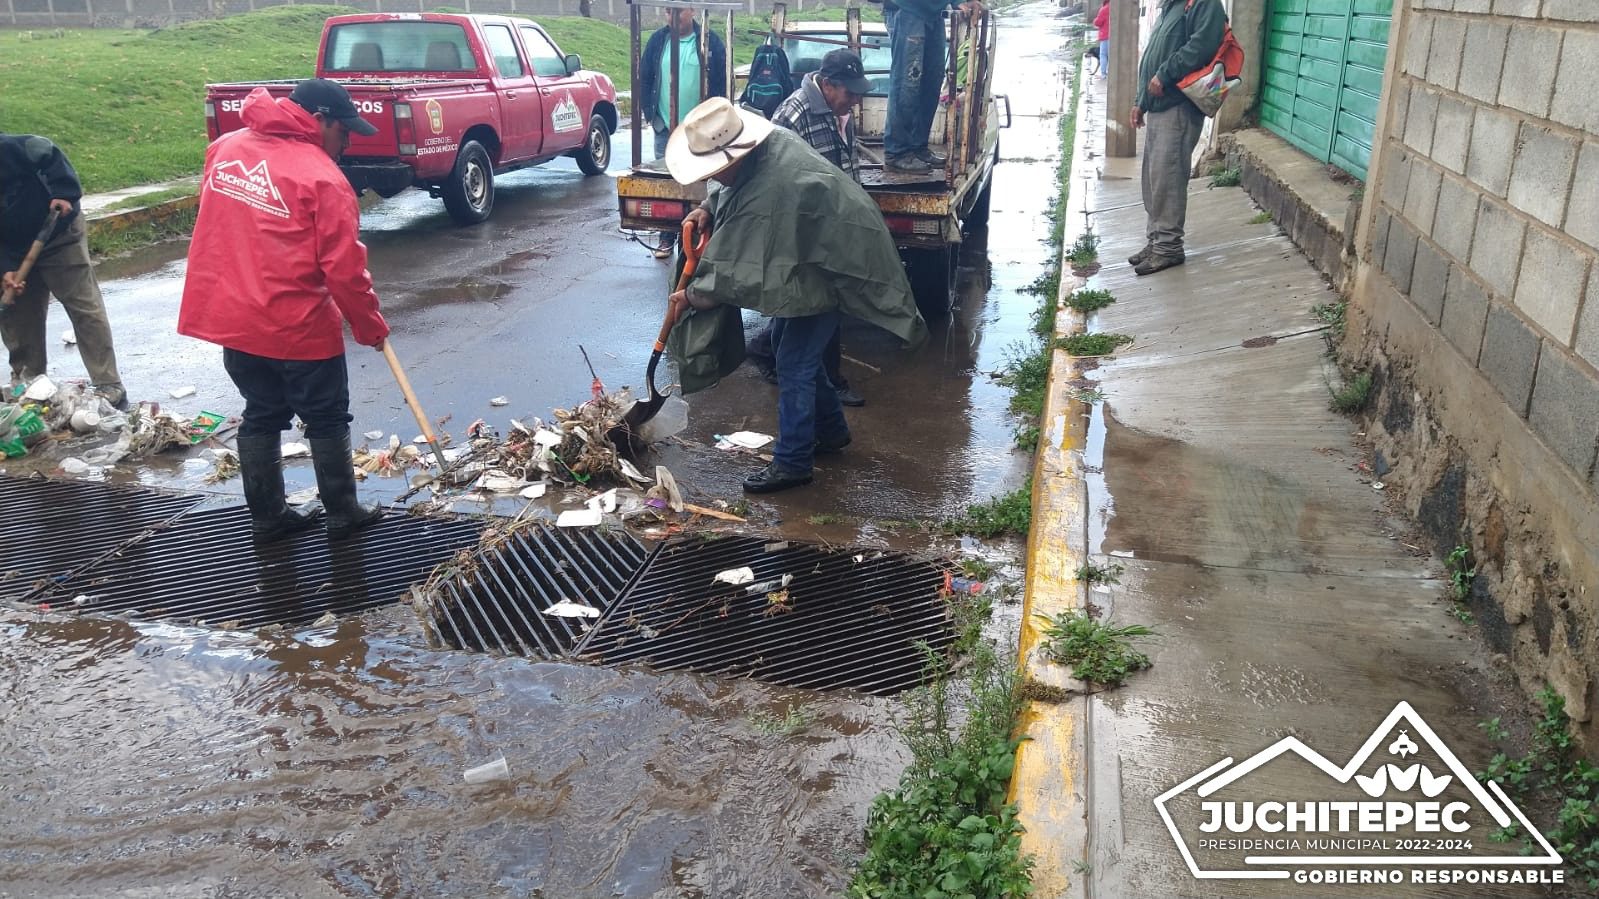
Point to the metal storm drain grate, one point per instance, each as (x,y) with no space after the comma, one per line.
(536,591)
(812,617)
(205,567)
(49,528)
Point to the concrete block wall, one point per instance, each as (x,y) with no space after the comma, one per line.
(1485,233)
(1491,181)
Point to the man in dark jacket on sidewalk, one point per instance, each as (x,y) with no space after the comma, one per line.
(35,177)
(275,268)
(655,82)
(1186,38)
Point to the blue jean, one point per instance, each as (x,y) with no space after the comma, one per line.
(807,403)
(915,78)
(1104,58)
(662,135)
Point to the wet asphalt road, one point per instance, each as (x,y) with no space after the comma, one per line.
(152,760)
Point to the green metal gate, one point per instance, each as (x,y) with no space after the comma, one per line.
(1323,76)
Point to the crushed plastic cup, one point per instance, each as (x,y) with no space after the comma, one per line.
(498,769)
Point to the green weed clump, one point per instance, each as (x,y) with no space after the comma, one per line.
(1092,344)
(1552,775)
(1353,395)
(947,830)
(1096,651)
(1226,177)
(1461,575)
(1086,301)
(1085,250)
(1008,514)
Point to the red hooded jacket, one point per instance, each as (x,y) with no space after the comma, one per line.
(275,257)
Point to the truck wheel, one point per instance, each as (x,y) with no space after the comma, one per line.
(469,192)
(596,152)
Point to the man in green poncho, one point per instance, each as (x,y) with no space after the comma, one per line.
(792,237)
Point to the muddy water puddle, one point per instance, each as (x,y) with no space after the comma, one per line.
(330,762)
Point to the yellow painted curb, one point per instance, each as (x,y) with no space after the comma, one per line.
(1049,784)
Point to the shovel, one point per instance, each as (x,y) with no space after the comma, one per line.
(416,407)
(646,409)
(45,233)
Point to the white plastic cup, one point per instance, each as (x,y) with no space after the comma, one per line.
(84,421)
(495,770)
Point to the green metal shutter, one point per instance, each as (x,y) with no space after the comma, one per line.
(1322,76)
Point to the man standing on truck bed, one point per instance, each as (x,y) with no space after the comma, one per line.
(820,113)
(793,237)
(655,81)
(915,79)
(273,264)
(35,177)
(1186,38)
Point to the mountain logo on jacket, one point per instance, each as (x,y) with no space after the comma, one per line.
(249,184)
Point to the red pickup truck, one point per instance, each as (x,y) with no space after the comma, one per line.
(457,99)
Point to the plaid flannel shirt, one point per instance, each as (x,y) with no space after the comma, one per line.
(805,113)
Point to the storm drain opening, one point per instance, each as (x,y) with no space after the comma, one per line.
(801,615)
(533,590)
(205,567)
(50,529)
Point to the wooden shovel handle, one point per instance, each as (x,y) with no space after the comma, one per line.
(692,250)
(7,297)
(411,400)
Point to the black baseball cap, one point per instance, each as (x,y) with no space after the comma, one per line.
(844,67)
(332,100)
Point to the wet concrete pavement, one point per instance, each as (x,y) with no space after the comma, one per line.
(1287,600)
(151,759)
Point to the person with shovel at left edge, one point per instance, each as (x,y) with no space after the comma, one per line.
(274,265)
(36,179)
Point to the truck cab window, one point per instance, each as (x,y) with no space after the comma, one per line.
(398,47)
(547,61)
(502,46)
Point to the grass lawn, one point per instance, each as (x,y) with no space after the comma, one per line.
(127,105)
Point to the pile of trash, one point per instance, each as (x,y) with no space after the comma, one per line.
(41,409)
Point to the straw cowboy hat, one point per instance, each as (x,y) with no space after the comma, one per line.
(713,136)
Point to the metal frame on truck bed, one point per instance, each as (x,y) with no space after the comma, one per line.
(926,213)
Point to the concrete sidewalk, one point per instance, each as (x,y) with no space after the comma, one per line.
(1286,600)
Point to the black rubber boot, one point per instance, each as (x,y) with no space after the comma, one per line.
(260,469)
(335,481)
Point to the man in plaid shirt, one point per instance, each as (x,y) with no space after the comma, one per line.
(820,112)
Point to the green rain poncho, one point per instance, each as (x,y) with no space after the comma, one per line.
(793,236)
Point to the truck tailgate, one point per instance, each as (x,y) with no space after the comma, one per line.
(373,98)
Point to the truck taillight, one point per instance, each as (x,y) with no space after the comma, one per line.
(654,209)
(211,120)
(905,224)
(405,129)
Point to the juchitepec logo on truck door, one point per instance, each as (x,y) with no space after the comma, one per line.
(249,184)
(1403,811)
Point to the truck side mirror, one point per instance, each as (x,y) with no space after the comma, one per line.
(573,63)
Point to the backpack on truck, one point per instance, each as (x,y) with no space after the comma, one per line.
(1208,86)
(770,79)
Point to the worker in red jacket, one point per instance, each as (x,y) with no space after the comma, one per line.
(274,265)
